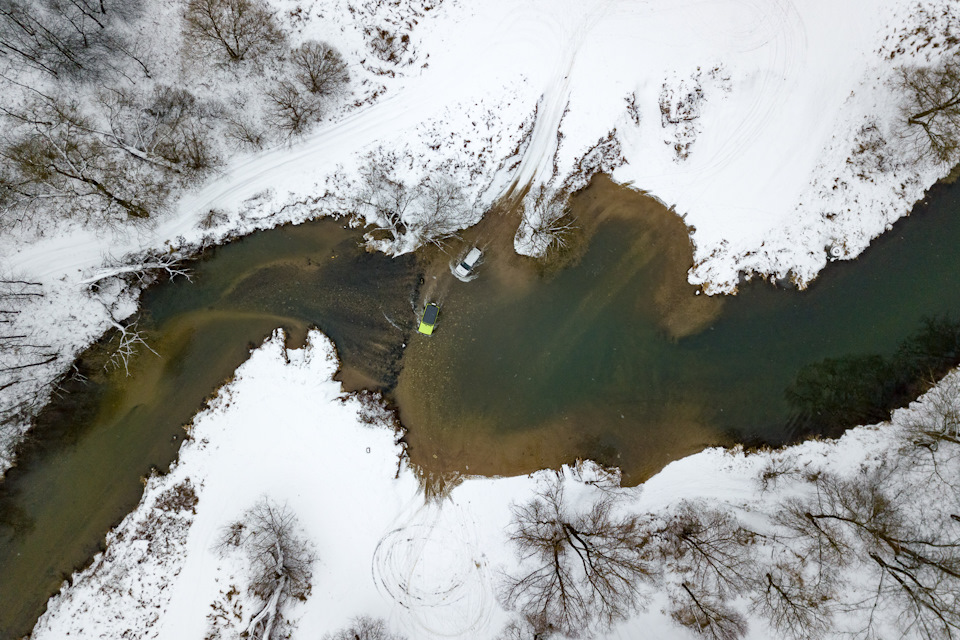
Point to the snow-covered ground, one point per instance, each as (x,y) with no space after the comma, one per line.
(767,99)
(283,430)
(768,124)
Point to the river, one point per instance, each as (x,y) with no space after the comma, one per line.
(613,358)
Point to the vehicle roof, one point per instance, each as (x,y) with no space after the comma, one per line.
(473,256)
(430,313)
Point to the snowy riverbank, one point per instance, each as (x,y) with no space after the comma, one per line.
(283,430)
(771,127)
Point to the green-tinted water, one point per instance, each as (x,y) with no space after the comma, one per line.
(581,365)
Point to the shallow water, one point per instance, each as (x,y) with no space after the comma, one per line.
(619,360)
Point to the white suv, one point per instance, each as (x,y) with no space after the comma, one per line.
(463,269)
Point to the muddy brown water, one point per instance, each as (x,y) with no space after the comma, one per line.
(614,358)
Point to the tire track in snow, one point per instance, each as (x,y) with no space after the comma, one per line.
(787,39)
(432,567)
(540,153)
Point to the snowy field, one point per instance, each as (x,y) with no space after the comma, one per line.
(742,114)
(769,125)
(431,568)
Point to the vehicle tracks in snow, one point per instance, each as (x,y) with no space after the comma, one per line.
(431,565)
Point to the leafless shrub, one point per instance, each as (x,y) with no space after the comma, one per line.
(588,566)
(213,218)
(365,628)
(235,30)
(179,497)
(281,561)
(373,410)
(320,68)
(246,133)
(387,45)
(776,468)
(633,109)
(292,111)
(548,224)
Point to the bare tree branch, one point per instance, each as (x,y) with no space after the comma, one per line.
(586,569)
(280,560)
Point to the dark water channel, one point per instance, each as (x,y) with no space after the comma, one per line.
(523,371)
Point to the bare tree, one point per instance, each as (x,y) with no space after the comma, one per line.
(913,561)
(129,339)
(586,567)
(20,350)
(121,159)
(548,224)
(59,159)
(433,209)
(384,197)
(796,605)
(930,436)
(291,111)
(713,556)
(443,210)
(705,614)
(937,416)
(65,38)
(528,628)
(932,107)
(235,29)
(145,268)
(365,628)
(176,126)
(169,129)
(25,356)
(281,561)
(709,548)
(320,68)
